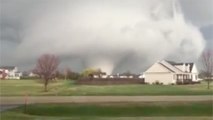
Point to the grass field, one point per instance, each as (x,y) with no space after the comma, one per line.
(66,88)
(113,111)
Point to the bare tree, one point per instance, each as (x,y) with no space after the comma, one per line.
(46,67)
(4,74)
(207,64)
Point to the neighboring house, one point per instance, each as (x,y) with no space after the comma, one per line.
(167,72)
(128,75)
(142,76)
(123,75)
(99,75)
(9,72)
(114,76)
(31,74)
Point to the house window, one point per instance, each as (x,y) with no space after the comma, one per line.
(185,77)
(179,77)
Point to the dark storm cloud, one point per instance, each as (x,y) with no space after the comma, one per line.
(199,12)
(207,32)
(115,35)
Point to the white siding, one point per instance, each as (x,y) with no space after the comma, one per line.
(165,78)
(194,73)
(160,73)
(194,69)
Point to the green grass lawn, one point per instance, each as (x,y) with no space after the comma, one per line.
(113,111)
(66,88)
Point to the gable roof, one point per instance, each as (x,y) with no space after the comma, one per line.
(159,67)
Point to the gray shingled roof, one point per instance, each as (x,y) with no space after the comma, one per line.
(174,63)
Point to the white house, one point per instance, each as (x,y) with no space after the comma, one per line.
(167,72)
(9,72)
(142,76)
(31,74)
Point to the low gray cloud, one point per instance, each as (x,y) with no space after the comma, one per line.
(207,32)
(199,12)
(114,35)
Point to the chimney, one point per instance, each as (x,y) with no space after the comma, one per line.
(184,67)
(187,68)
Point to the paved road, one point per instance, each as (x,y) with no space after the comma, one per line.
(99,99)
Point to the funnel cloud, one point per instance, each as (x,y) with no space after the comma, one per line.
(114,35)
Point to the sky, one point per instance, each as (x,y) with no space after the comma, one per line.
(114,35)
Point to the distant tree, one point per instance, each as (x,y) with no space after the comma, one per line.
(127,73)
(202,74)
(90,72)
(72,75)
(207,65)
(59,74)
(99,72)
(25,73)
(46,67)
